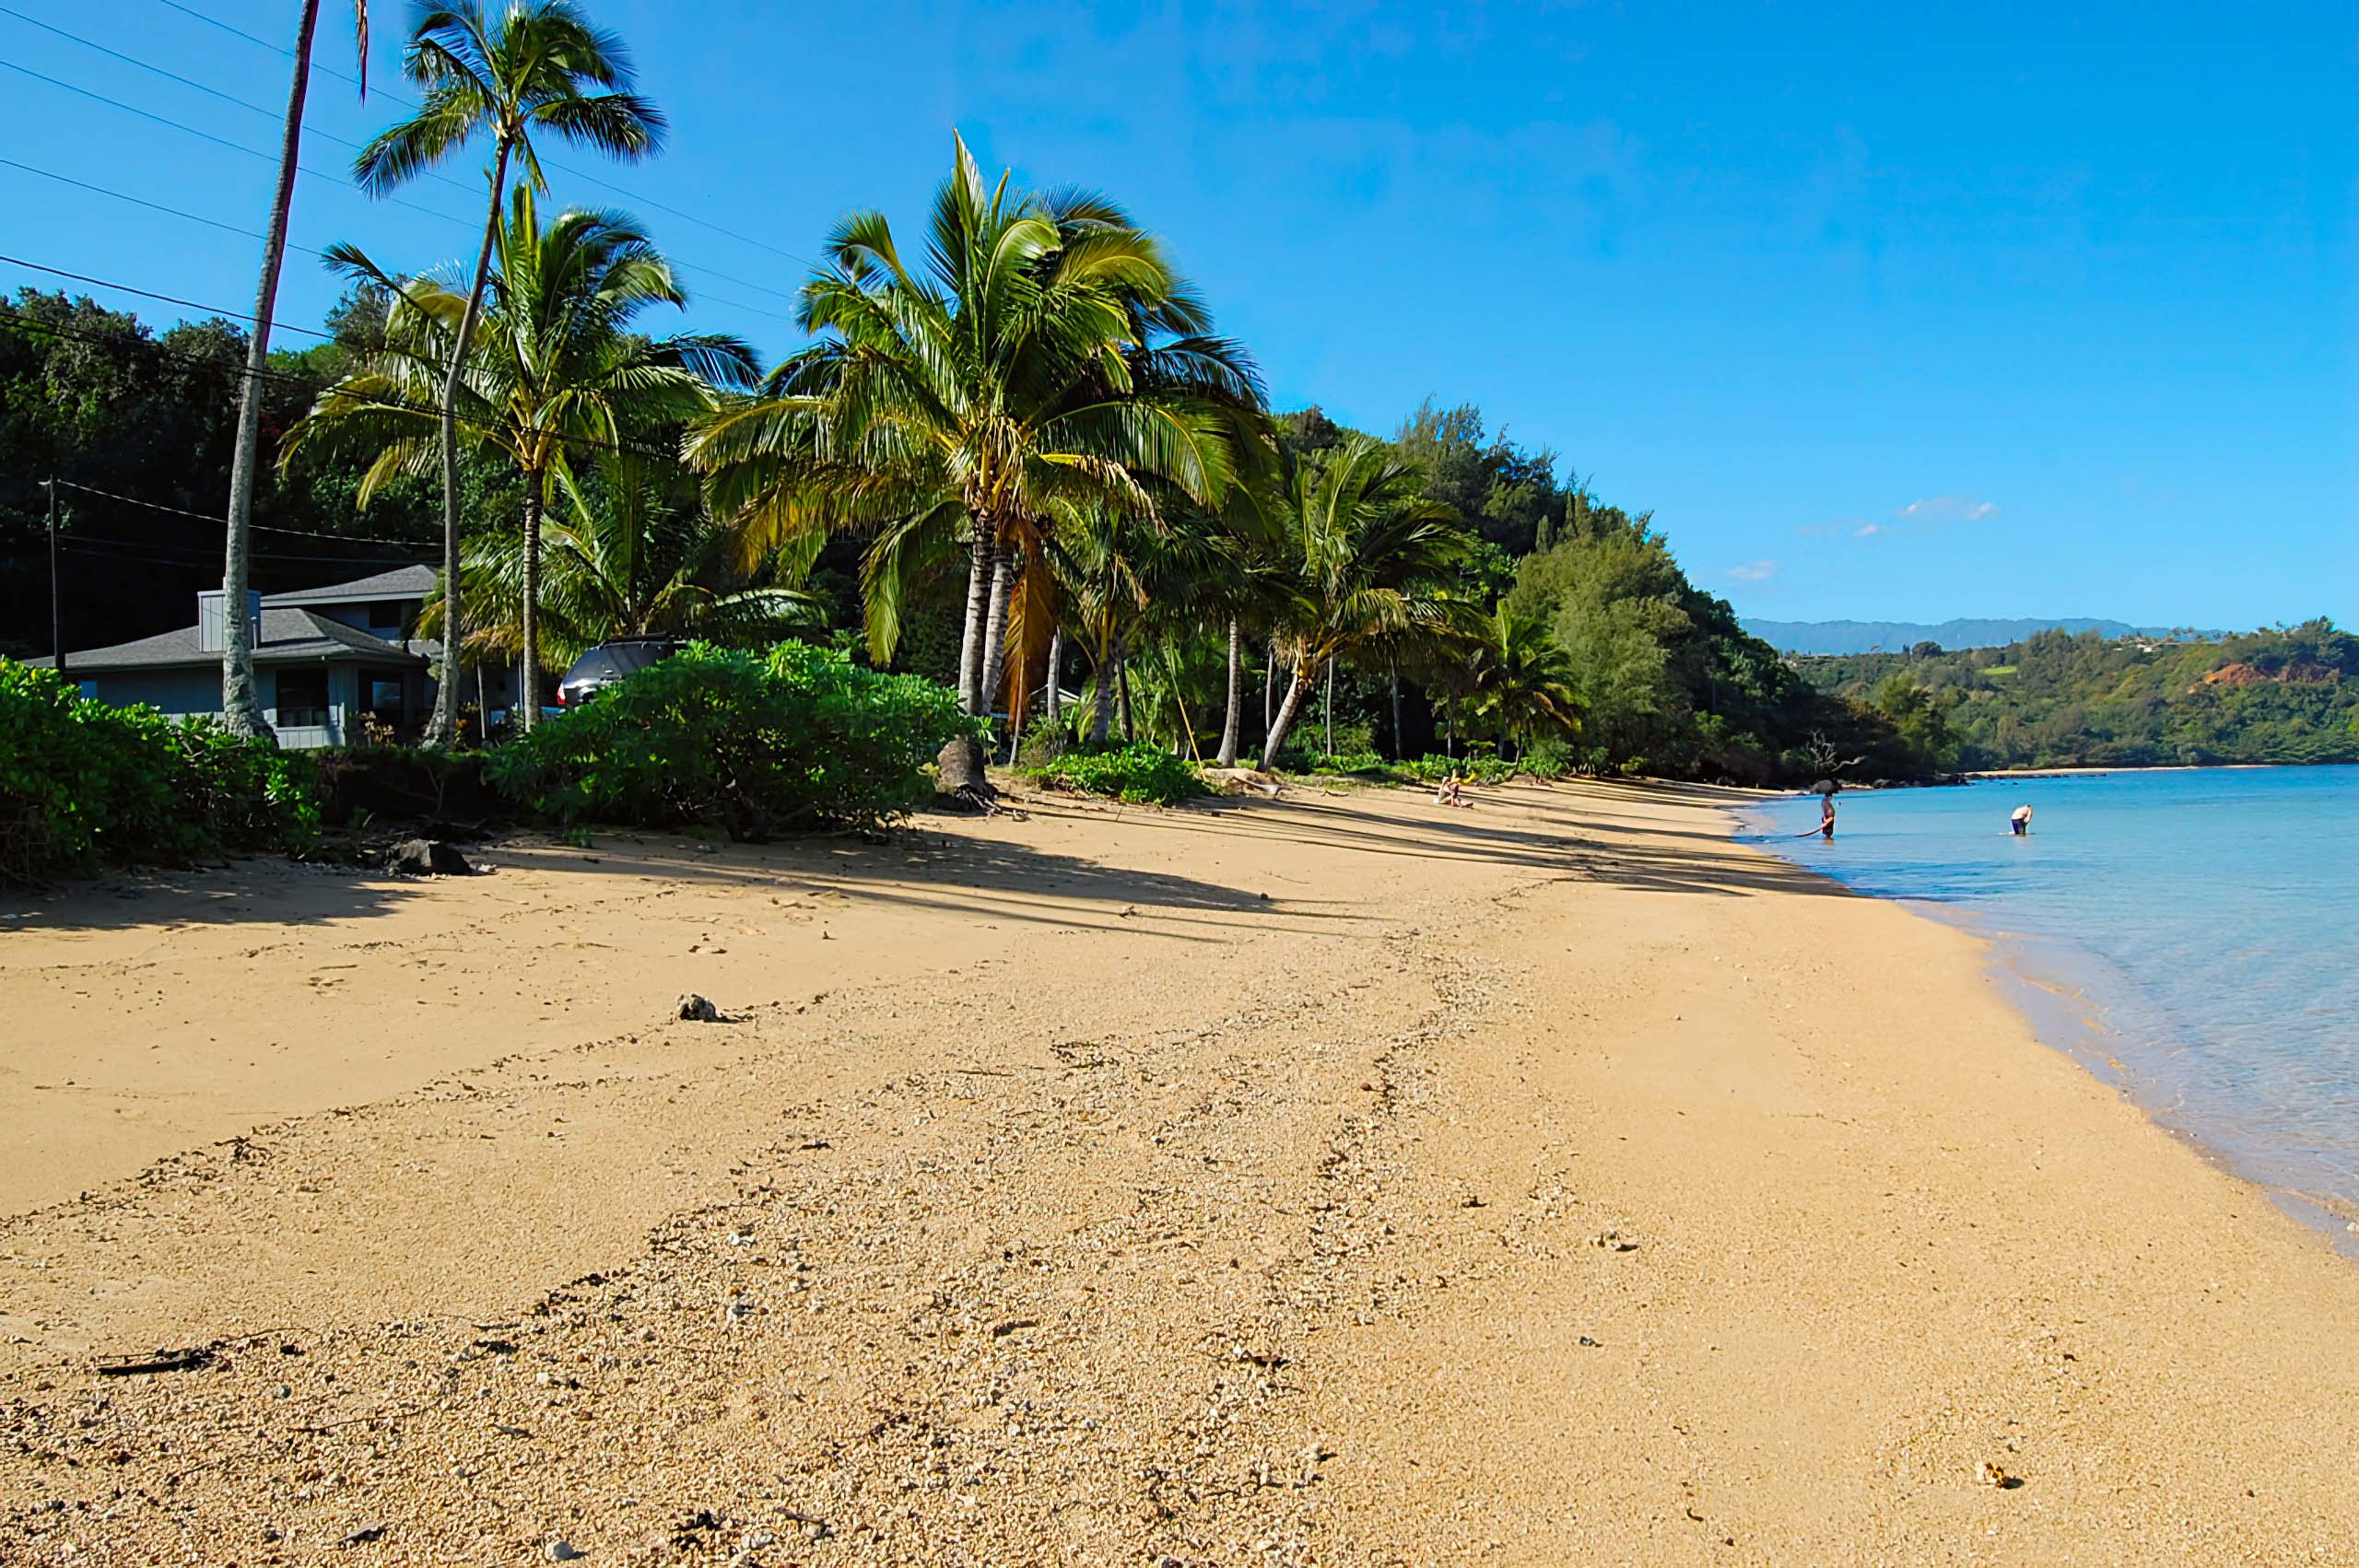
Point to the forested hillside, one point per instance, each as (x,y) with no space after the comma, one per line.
(2284,696)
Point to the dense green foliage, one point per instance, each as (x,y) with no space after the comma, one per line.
(2058,700)
(1132,772)
(1665,680)
(755,744)
(83,784)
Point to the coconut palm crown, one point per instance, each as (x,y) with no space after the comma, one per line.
(540,66)
(1045,360)
(1369,555)
(557,374)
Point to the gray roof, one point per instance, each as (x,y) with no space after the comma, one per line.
(401,582)
(288,637)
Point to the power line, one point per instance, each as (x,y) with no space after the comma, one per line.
(134,61)
(257,527)
(315,173)
(143,202)
(219,141)
(577,173)
(195,555)
(167,298)
(274,49)
(270,113)
(312,385)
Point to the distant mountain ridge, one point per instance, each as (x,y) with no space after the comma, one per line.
(1893,637)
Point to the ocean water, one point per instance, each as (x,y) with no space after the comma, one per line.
(2206,921)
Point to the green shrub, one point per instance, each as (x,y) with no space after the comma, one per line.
(1364,761)
(1043,744)
(797,739)
(1136,772)
(84,785)
(1549,756)
(1480,768)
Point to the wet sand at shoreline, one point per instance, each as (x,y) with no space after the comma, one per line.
(1339,1179)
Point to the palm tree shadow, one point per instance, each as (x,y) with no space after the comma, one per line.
(1641,854)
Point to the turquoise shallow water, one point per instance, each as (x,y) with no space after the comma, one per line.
(2209,919)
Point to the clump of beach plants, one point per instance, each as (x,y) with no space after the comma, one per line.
(759,744)
(1136,772)
(84,785)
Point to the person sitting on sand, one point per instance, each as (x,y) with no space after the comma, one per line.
(1450,795)
(2020,821)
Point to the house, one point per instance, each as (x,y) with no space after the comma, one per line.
(324,659)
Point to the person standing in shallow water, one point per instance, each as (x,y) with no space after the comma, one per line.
(1827,817)
(2020,821)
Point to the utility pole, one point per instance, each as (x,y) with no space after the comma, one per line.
(56,616)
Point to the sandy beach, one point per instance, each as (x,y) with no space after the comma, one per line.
(1339,1179)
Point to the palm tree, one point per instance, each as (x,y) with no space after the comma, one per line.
(1047,360)
(1368,553)
(1122,579)
(1521,676)
(241,704)
(527,72)
(1248,588)
(555,373)
(632,554)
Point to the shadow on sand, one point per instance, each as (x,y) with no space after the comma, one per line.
(924,868)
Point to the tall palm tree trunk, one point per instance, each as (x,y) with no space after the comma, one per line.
(1298,690)
(529,664)
(240,702)
(1330,709)
(1056,660)
(1228,758)
(1101,718)
(995,632)
(1399,751)
(981,562)
(1122,690)
(1270,689)
(444,728)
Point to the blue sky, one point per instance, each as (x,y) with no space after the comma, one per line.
(1887,311)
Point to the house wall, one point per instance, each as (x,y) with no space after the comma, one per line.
(184,693)
(176,692)
(343,697)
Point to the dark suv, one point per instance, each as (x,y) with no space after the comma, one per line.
(608,662)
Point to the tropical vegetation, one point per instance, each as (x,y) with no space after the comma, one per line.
(1014,488)
(757,744)
(559,375)
(84,785)
(540,66)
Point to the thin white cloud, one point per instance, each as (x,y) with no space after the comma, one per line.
(1918,516)
(1753,571)
(1947,509)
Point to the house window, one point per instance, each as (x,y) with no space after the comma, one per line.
(302,699)
(389,618)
